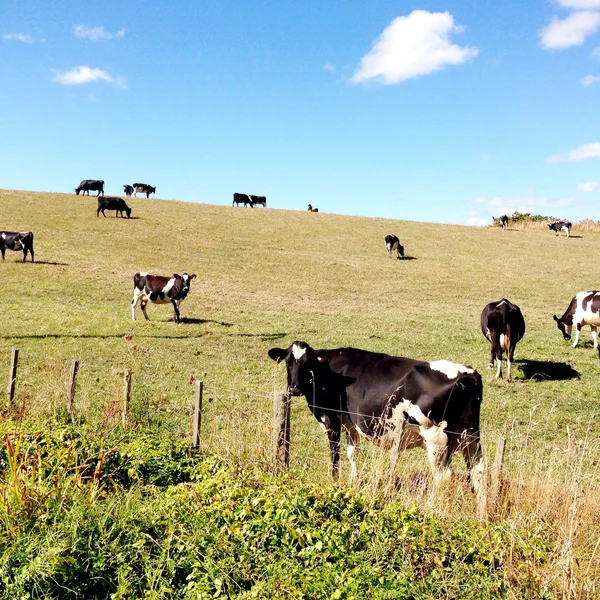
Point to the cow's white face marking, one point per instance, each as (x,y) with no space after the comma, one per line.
(298,352)
(449,369)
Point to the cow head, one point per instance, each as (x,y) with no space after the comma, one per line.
(565,325)
(77,190)
(301,362)
(400,250)
(152,190)
(186,281)
(128,211)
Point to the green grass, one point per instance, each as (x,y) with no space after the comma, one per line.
(268,277)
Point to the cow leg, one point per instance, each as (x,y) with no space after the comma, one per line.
(332,426)
(176,309)
(499,365)
(3,250)
(595,335)
(577,332)
(470,445)
(437,444)
(352,450)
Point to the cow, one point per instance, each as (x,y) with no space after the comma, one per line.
(17,240)
(111,203)
(241,199)
(559,226)
(504,221)
(128,189)
(262,200)
(584,309)
(160,290)
(311,209)
(502,324)
(90,184)
(393,243)
(393,401)
(143,188)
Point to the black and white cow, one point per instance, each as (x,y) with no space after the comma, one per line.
(311,209)
(262,200)
(504,221)
(393,243)
(111,203)
(397,402)
(17,240)
(143,188)
(584,309)
(241,199)
(502,323)
(90,184)
(128,189)
(559,226)
(160,290)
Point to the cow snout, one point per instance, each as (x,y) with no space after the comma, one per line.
(566,335)
(293,390)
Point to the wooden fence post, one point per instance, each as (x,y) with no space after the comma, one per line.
(282,402)
(496,475)
(126,395)
(197,422)
(71,388)
(12,376)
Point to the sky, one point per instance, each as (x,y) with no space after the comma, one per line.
(447,112)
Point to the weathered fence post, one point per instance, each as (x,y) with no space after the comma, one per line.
(12,376)
(496,475)
(71,388)
(197,422)
(282,402)
(126,394)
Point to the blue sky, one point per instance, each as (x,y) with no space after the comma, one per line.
(430,111)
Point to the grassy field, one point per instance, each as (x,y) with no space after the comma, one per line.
(267,277)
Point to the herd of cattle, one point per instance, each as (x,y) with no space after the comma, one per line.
(395,401)
(97,185)
(557,226)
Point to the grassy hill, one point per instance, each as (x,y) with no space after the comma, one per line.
(267,277)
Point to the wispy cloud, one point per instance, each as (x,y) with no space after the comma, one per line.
(511,204)
(485,157)
(580,153)
(21,37)
(329,67)
(590,186)
(411,46)
(579,4)
(596,53)
(571,31)
(85,32)
(589,79)
(83,74)
(478,221)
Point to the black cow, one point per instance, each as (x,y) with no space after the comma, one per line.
(111,203)
(393,243)
(262,200)
(398,402)
(90,184)
(584,309)
(241,199)
(143,188)
(128,189)
(504,221)
(160,290)
(502,323)
(17,240)
(311,209)
(559,226)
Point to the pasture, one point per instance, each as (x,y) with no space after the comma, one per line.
(268,277)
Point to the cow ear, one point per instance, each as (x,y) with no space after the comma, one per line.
(322,357)
(555,318)
(176,276)
(193,276)
(277,354)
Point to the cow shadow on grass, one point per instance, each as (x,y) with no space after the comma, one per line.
(546,370)
(48,262)
(195,321)
(577,237)
(86,336)
(267,337)
(407,257)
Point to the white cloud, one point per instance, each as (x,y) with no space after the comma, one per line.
(485,157)
(478,221)
(572,31)
(580,153)
(590,186)
(579,4)
(83,74)
(96,33)
(589,79)
(329,67)
(596,53)
(21,37)
(411,46)
(523,204)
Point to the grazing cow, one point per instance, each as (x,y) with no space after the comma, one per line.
(397,402)
(160,290)
(262,200)
(90,184)
(503,325)
(393,243)
(111,203)
(241,199)
(128,189)
(559,226)
(17,240)
(143,188)
(584,309)
(311,209)
(504,221)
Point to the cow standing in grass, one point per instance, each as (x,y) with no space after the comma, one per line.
(559,226)
(90,184)
(584,309)
(17,240)
(392,243)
